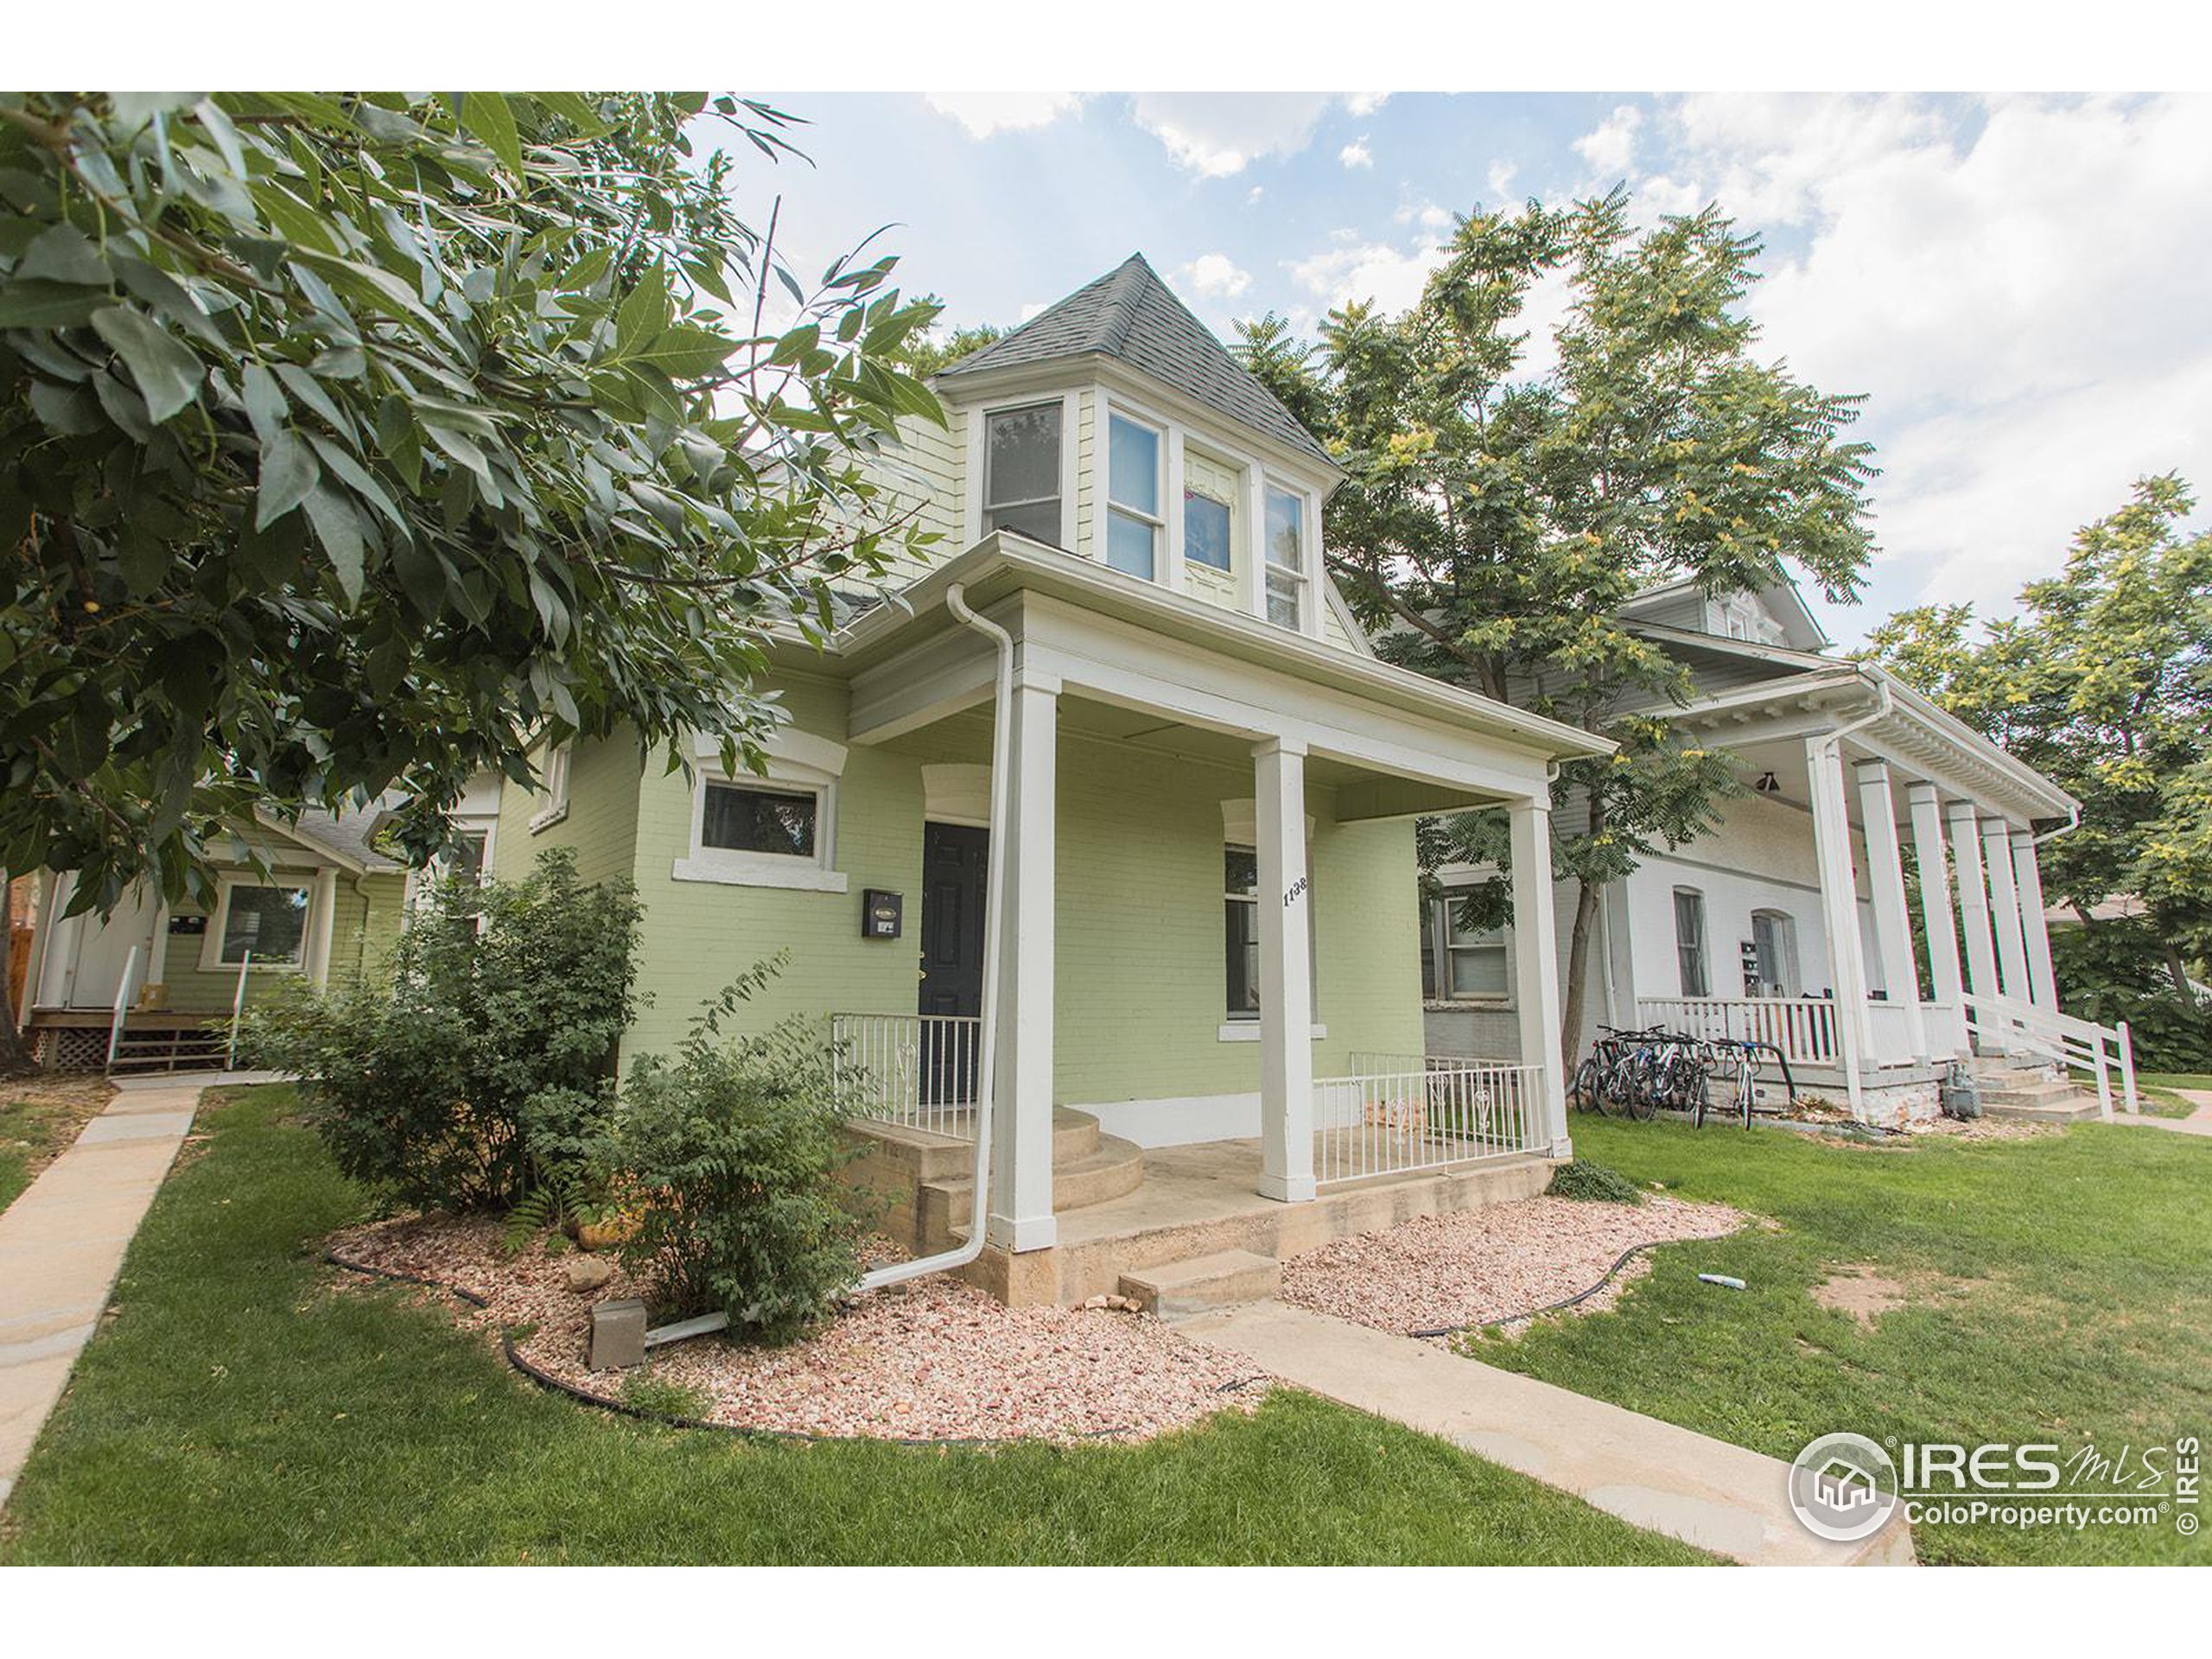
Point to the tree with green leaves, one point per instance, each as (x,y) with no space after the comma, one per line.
(1499,514)
(361,442)
(2102,683)
(925,355)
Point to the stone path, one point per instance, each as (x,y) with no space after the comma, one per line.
(61,1243)
(1655,1475)
(2197,1123)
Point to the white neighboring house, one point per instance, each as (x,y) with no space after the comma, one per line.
(1792,923)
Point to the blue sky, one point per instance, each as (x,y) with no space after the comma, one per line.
(2016,282)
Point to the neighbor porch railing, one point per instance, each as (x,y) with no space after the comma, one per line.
(1802,1027)
(1400,1112)
(2007,1024)
(915,1070)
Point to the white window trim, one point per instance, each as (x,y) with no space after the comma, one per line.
(1248,1031)
(557,762)
(218,920)
(1165,545)
(1440,942)
(798,763)
(1704,939)
(1309,528)
(1239,495)
(979,460)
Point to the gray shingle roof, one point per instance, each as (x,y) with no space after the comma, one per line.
(1131,315)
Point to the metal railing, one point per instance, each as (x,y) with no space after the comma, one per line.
(2005,1023)
(1802,1027)
(1400,1112)
(914,1069)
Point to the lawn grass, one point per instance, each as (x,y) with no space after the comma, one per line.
(2063,1294)
(240,1407)
(2156,1091)
(39,1117)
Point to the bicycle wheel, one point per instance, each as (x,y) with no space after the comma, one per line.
(1747,1090)
(1582,1093)
(1701,1099)
(1643,1092)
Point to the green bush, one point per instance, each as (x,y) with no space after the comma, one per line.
(726,1158)
(1578,1178)
(481,1066)
(2114,970)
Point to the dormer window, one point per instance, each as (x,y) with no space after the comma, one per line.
(1286,561)
(1021,471)
(1134,527)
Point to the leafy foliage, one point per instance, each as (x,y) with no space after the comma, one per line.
(357,441)
(2103,683)
(2116,970)
(483,1068)
(727,1153)
(1581,1178)
(1498,515)
(926,353)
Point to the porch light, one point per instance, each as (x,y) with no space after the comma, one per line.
(1768,782)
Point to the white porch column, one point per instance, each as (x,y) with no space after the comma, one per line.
(1892,917)
(2004,908)
(1973,899)
(1839,907)
(322,921)
(1936,914)
(1286,973)
(1020,1217)
(1535,966)
(2027,874)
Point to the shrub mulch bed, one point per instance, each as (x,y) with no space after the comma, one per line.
(933,1359)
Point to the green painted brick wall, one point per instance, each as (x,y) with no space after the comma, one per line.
(365,923)
(602,824)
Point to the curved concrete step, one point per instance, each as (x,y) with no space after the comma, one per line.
(1114,1168)
(1075,1134)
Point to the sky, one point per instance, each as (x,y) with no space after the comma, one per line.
(2018,283)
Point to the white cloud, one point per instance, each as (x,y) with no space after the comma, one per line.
(1257,192)
(1215,276)
(1610,147)
(985,113)
(1356,154)
(1034,307)
(1390,276)
(1216,135)
(2017,284)
(1500,177)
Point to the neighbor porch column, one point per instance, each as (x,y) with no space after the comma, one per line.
(1286,973)
(1839,907)
(322,921)
(2028,877)
(1974,913)
(1535,966)
(1935,912)
(2004,908)
(1020,1215)
(1893,916)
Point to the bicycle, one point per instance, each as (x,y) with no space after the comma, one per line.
(1737,1062)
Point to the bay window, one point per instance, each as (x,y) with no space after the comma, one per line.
(1285,558)
(1021,471)
(1135,525)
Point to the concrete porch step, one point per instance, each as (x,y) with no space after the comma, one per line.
(2074,1108)
(1202,1283)
(1087,1167)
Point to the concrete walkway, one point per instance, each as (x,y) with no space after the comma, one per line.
(2197,1123)
(1655,1475)
(61,1243)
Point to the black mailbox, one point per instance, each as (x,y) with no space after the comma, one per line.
(881,913)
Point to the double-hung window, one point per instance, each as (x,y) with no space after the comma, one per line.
(1021,471)
(1241,930)
(1134,527)
(1689,942)
(1287,576)
(1460,963)
(553,794)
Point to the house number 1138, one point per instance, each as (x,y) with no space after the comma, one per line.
(1296,888)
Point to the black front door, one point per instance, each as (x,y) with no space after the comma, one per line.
(954,858)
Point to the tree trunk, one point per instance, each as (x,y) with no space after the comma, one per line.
(2178,971)
(1578,962)
(15,1058)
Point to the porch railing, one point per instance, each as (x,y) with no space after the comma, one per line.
(1409,1112)
(914,1069)
(2005,1023)
(1802,1027)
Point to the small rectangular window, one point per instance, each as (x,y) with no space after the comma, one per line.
(1241,917)
(1205,530)
(1133,519)
(744,819)
(271,921)
(1021,471)
(1285,558)
(1689,941)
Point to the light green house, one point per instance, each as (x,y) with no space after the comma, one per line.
(1209,950)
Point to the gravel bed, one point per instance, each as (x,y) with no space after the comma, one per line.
(933,1359)
(1453,1271)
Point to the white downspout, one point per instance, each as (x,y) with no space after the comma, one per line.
(955,601)
(1856,1019)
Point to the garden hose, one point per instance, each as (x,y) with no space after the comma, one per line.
(1579,1296)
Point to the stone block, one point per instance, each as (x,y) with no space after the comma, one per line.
(617,1334)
